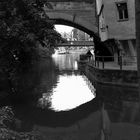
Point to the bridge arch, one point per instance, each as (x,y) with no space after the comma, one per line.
(81,24)
(74,21)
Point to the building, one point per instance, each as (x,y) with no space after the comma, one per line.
(80,35)
(66,35)
(117,21)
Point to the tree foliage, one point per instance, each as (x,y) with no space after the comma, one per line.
(24,25)
(7,121)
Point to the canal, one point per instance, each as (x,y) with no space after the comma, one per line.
(58,101)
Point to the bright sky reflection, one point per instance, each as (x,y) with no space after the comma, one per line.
(71,92)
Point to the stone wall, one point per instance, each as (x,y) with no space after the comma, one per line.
(113,77)
(81,13)
(121,30)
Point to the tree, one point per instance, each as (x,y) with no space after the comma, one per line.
(24,24)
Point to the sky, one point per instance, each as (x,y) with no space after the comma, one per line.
(63,28)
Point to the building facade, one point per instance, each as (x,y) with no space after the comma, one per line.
(116,20)
(80,35)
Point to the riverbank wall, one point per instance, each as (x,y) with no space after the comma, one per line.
(112,77)
(125,78)
(117,88)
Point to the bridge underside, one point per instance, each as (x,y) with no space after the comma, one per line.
(75,25)
(80,14)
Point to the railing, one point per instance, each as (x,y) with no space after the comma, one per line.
(122,62)
(76,43)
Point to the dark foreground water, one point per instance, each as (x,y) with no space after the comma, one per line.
(53,93)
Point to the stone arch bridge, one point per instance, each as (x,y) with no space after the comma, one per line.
(80,14)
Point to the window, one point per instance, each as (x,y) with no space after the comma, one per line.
(122,11)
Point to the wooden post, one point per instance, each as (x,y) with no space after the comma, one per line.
(137,17)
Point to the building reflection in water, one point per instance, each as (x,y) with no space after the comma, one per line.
(121,115)
(67,61)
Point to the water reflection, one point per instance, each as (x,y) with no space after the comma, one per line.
(121,103)
(67,61)
(64,97)
(70,92)
(61,91)
(71,89)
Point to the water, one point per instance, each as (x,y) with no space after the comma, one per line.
(57,100)
(51,90)
(70,90)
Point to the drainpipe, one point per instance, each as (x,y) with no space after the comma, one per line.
(137,20)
